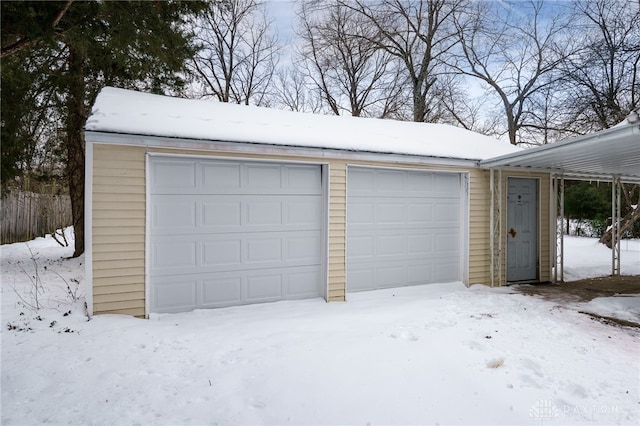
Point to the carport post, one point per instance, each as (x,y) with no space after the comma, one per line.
(491,219)
(615,226)
(558,272)
(495,227)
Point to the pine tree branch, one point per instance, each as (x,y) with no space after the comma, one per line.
(24,41)
(64,10)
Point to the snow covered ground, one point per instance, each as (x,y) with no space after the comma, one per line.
(434,354)
(586,258)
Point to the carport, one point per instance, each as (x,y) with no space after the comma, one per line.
(611,155)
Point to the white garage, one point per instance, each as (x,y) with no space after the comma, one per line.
(404,227)
(228,232)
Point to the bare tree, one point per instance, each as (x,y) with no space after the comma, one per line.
(456,107)
(238,52)
(603,78)
(631,195)
(342,59)
(546,115)
(515,49)
(291,90)
(420,35)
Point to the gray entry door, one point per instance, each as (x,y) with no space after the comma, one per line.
(522,229)
(233,232)
(403,228)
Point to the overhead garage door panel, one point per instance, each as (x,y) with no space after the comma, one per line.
(175,255)
(403,228)
(388,211)
(187,292)
(382,182)
(177,214)
(186,176)
(233,233)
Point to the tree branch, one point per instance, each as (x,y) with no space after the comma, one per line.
(24,41)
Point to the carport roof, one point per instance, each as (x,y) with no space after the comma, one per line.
(598,156)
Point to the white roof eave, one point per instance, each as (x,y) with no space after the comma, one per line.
(240,148)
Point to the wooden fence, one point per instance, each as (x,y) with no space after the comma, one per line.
(26,215)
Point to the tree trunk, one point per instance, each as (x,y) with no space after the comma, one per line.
(625,223)
(75,144)
(419,103)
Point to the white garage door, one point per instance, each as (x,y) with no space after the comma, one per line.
(229,233)
(403,228)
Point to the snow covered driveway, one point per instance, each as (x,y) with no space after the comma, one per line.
(434,354)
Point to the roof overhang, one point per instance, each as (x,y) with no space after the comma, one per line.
(250,148)
(603,155)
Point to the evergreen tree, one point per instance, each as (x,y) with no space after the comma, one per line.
(587,201)
(87,45)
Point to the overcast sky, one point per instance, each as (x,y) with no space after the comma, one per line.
(283,13)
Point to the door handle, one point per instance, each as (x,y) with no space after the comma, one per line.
(512,232)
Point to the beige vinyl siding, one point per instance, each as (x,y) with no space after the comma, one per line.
(337,230)
(547,226)
(479,227)
(545,230)
(480,220)
(118,232)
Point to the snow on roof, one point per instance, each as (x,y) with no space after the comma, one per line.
(130,112)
